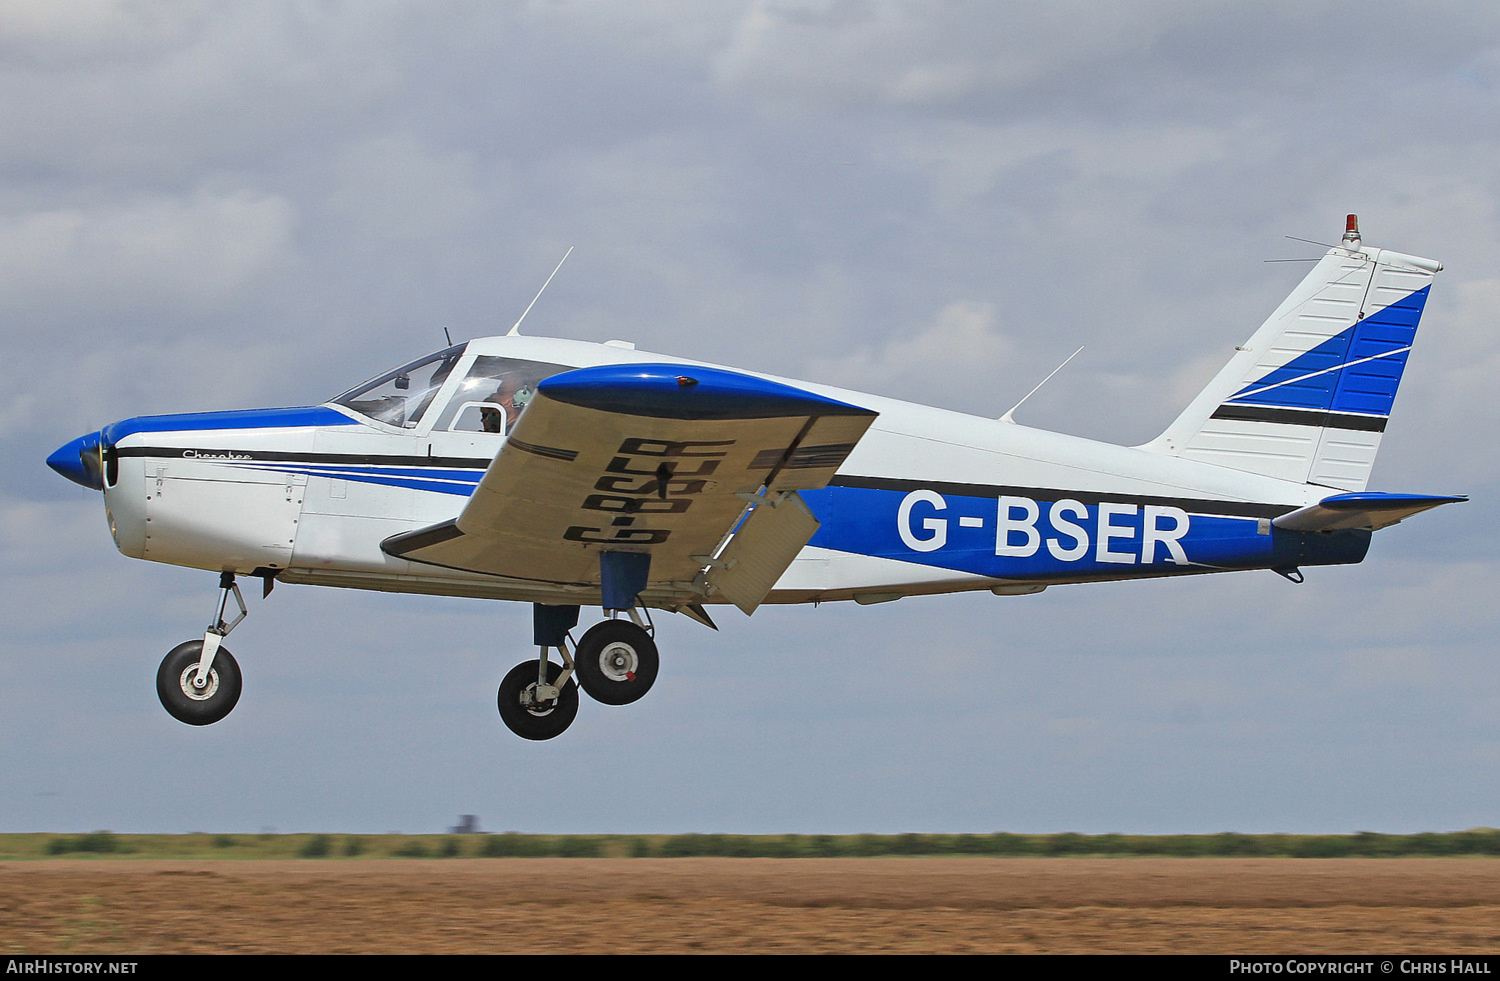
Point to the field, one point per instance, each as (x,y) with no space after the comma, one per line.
(951,904)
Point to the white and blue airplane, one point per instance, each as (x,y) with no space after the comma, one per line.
(569,474)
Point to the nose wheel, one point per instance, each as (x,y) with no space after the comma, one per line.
(191,697)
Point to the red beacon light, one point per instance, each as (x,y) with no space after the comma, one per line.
(1351,232)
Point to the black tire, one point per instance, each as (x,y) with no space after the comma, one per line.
(536,722)
(617,662)
(174,685)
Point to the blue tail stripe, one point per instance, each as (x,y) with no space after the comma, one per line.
(1367,387)
(1371,386)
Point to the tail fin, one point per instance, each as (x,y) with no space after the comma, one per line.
(1308,396)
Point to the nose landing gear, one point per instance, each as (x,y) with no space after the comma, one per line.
(199,681)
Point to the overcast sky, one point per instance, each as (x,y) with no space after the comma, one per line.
(223,205)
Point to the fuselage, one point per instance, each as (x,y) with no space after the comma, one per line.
(929,501)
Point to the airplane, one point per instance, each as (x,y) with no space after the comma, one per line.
(566,474)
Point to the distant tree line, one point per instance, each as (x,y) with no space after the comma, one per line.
(1365,844)
(1484,841)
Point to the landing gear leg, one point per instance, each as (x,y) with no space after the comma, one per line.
(617,660)
(538,698)
(199,681)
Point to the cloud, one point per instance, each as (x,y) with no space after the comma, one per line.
(397,189)
(954,357)
(62,35)
(871,53)
(150,254)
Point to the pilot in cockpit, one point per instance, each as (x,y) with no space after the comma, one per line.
(493,419)
(510,398)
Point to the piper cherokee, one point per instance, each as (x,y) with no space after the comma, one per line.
(568,474)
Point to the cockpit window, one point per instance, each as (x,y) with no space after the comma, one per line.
(400,397)
(494,393)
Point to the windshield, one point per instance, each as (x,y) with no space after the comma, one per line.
(399,398)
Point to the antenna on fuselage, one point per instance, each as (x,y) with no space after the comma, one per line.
(1009,416)
(516,328)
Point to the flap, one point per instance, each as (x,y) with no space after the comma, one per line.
(637,458)
(1370,511)
(761,550)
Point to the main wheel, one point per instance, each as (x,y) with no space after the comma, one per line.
(187,702)
(536,721)
(617,662)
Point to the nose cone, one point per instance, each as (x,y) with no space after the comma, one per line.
(79,461)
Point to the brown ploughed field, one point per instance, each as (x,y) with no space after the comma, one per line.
(753,905)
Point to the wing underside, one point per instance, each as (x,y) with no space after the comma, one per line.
(661,461)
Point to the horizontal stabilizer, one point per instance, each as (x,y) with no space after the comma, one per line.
(1368,511)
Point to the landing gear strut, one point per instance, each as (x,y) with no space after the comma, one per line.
(538,698)
(616,662)
(199,681)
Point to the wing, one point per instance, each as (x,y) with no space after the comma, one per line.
(654,460)
(1367,510)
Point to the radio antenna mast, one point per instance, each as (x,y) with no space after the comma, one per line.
(1010,415)
(516,329)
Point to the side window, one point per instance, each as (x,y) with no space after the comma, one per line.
(494,394)
(479,417)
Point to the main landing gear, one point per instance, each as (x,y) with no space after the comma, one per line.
(199,681)
(615,663)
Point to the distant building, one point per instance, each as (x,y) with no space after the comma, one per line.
(468,824)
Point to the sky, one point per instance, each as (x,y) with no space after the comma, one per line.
(213,205)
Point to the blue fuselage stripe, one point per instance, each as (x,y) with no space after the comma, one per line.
(1012,536)
(993,531)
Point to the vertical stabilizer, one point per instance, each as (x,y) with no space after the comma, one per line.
(1308,396)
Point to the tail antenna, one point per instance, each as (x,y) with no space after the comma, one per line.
(516,328)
